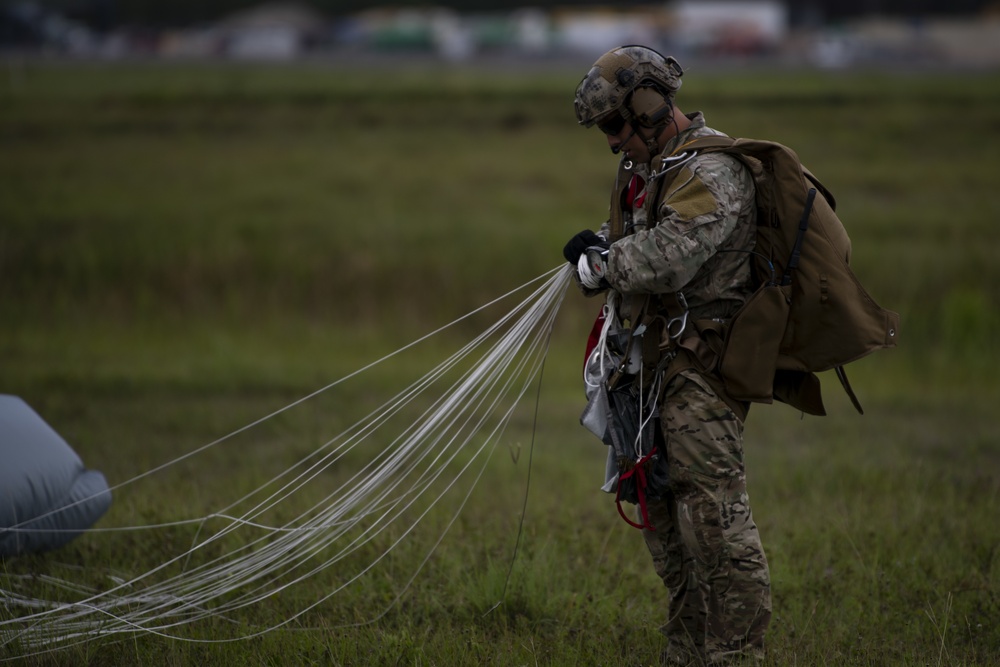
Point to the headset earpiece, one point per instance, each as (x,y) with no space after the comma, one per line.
(650,107)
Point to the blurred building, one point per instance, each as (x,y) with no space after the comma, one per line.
(30,25)
(879,33)
(730,27)
(594,31)
(282,31)
(941,42)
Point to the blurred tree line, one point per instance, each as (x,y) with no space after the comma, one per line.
(106,14)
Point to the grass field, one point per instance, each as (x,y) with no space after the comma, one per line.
(185,249)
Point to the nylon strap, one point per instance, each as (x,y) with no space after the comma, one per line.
(640,486)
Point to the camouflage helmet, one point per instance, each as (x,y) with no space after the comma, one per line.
(610,83)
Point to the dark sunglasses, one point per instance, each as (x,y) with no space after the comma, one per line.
(611,125)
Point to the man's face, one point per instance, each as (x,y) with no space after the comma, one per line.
(623,138)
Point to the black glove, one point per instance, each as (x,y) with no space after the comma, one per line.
(579,244)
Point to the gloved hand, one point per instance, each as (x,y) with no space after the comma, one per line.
(579,244)
(592,266)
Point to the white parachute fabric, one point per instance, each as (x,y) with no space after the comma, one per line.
(408,466)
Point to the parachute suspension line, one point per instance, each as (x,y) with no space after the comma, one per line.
(392,407)
(552,274)
(547,330)
(398,487)
(147,628)
(328,387)
(531,455)
(310,527)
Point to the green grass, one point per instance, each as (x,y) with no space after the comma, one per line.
(186,249)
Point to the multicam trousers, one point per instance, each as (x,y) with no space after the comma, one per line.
(705,545)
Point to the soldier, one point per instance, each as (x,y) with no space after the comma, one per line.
(673,261)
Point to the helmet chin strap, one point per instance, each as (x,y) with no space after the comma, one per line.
(618,149)
(652,143)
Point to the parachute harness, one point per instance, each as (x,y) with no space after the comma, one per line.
(615,369)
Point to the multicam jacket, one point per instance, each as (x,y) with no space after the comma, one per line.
(703,228)
(691,233)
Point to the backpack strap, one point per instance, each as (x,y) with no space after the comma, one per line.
(616,224)
(842,376)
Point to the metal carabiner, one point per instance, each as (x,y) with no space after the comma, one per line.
(676,160)
(677,325)
(680,322)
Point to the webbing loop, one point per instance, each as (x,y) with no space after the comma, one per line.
(640,487)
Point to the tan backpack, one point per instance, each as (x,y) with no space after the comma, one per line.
(810,313)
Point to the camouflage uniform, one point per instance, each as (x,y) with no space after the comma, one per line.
(705,545)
